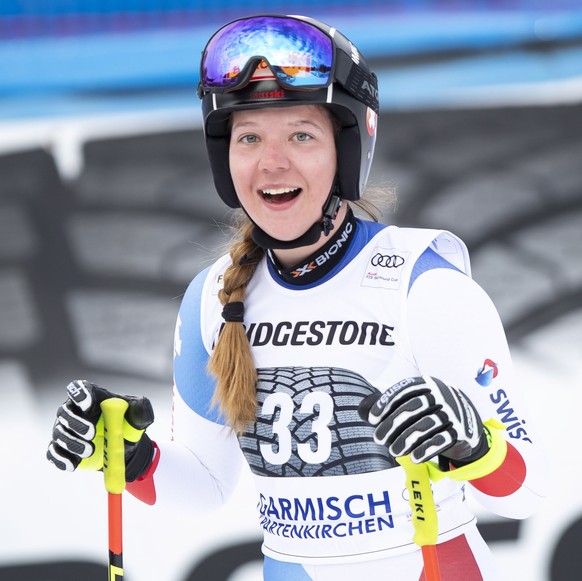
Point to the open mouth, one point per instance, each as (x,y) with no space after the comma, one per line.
(280,195)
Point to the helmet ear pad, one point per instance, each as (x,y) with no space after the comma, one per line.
(218,154)
(348,150)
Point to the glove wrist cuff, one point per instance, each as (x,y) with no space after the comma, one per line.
(482,449)
(486,464)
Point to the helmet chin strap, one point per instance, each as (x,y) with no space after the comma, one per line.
(311,236)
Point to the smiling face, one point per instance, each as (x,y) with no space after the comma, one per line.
(283,163)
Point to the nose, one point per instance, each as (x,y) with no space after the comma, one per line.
(273,157)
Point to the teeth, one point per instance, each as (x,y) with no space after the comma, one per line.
(278,191)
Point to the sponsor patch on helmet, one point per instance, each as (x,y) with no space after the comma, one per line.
(276,94)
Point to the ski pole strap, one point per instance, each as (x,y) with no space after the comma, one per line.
(113,444)
(482,467)
(424,516)
(130,433)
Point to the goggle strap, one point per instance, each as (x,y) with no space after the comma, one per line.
(356,81)
(343,67)
(365,88)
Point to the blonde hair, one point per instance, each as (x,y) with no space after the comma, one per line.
(232,361)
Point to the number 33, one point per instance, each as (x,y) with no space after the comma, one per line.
(319,425)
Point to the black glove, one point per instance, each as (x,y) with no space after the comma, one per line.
(423,417)
(77,439)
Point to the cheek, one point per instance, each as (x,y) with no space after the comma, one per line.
(323,169)
(239,172)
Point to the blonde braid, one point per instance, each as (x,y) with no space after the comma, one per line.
(232,360)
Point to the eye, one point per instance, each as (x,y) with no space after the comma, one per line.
(302,136)
(249,138)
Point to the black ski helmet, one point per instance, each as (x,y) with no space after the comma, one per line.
(347,87)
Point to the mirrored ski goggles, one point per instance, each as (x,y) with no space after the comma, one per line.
(299,55)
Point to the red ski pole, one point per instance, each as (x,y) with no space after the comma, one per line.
(114,475)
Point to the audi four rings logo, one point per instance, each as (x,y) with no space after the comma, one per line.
(387,260)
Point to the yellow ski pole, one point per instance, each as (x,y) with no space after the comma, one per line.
(113,410)
(424,516)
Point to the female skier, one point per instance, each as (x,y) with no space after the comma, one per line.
(327,345)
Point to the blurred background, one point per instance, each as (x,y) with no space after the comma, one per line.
(107,211)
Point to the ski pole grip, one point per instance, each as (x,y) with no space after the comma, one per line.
(113,410)
(424,516)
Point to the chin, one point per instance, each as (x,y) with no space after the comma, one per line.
(285,232)
(286,236)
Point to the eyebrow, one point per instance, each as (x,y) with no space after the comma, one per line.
(297,123)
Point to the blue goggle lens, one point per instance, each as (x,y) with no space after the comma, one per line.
(297,53)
